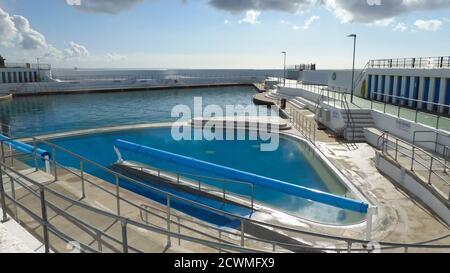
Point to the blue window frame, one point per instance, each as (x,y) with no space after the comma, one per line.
(383,88)
(369,89)
(407,91)
(437,93)
(416,92)
(25,77)
(376,91)
(426,93)
(15,77)
(9,77)
(391,88)
(30,76)
(20,77)
(3,77)
(399,89)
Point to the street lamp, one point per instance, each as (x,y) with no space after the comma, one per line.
(284,73)
(353,70)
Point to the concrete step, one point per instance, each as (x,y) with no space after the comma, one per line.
(297,103)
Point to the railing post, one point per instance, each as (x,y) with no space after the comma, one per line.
(413,157)
(44,220)
(396,149)
(36,166)
(55,171)
(3,198)
(83,185)
(13,195)
(99,241)
(118,193)
(124,236)
(242,233)
(168,219)
(431,171)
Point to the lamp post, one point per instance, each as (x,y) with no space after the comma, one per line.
(284,71)
(353,69)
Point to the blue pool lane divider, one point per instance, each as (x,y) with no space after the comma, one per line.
(24,147)
(257,180)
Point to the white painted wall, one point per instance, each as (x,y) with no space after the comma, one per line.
(45,74)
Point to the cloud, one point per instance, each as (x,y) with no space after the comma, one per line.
(251,17)
(104,6)
(400,27)
(363,11)
(114,57)
(16,32)
(431,25)
(307,23)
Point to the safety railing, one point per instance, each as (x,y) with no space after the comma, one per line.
(28,66)
(412,109)
(437,141)
(305,126)
(197,182)
(432,169)
(340,244)
(5,130)
(420,62)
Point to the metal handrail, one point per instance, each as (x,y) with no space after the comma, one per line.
(433,159)
(419,62)
(446,148)
(348,241)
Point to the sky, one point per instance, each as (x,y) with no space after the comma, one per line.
(220,34)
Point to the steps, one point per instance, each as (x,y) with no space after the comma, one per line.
(297,102)
(356,123)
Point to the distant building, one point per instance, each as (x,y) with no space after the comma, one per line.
(14,73)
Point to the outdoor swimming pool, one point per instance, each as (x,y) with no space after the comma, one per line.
(38,115)
(292,162)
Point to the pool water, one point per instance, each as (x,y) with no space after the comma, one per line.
(38,115)
(292,162)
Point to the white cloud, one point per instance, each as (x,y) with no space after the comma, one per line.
(114,57)
(251,17)
(28,38)
(104,6)
(307,23)
(431,25)
(383,22)
(8,30)
(75,50)
(400,27)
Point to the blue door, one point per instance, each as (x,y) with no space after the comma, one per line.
(416,92)
(383,87)
(426,94)
(369,89)
(447,97)
(399,89)
(407,91)
(437,94)
(376,91)
(391,88)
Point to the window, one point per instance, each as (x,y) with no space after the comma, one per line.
(391,89)
(416,92)
(20,77)
(36,77)
(447,97)
(407,91)
(9,77)
(369,89)
(383,87)
(426,93)
(15,77)
(399,89)
(376,91)
(25,78)
(437,93)
(30,76)
(3,77)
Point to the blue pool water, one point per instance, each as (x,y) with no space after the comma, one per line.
(40,115)
(292,162)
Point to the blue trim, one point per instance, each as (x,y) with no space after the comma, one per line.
(376,86)
(437,93)
(407,91)
(391,88)
(214,169)
(447,96)
(399,89)
(416,91)
(426,93)
(383,87)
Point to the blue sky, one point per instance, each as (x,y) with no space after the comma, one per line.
(216,34)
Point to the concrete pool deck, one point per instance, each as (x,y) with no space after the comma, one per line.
(400,218)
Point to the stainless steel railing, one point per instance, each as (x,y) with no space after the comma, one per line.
(429,163)
(341,244)
(435,138)
(420,62)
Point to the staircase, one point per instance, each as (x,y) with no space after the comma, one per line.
(355,125)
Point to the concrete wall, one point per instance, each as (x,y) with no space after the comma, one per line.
(405,129)
(49,87)
(418,189)
(315,76)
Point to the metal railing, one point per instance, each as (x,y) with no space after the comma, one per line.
(420,162)
(28,66)
(420,62)
(440,111)
(304,125)
(195,181)
(5,130)
(340,244)
(302,67)
(434,138)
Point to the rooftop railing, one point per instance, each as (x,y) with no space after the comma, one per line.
(421,63)
(28,66)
